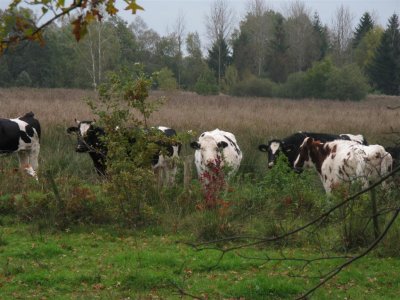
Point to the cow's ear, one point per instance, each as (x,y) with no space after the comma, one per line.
(195,145)
(72,129)
(309,141)
(222,144)
(263,148)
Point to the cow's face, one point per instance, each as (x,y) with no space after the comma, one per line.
(272,149)
(85,134)
(210,150)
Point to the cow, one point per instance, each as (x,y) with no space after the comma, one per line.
(22,135)
(214,146)
(290,145)
(91,139)
(343,161)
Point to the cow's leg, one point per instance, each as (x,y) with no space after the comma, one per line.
(25,165)
(23,157)
(34,156)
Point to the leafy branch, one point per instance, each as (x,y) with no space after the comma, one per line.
(17,26)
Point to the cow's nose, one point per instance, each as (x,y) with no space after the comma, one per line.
(270,165)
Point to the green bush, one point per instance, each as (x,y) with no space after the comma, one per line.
(347,83)
(255,87)
(317,78)
(206,84)
(166,80)
(325,81)
(295,86)
(23,79)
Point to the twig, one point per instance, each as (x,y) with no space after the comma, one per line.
(334,272)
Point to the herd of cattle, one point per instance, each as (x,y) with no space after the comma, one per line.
(337,158)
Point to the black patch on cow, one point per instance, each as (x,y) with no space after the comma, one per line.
(9,136)
(395,153)
(233,144)
(25,137)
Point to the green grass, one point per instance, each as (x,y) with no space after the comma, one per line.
(107,262)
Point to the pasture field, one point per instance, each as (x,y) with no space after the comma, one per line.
(60,238)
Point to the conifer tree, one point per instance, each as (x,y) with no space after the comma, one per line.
(366,24)
(384,70)
(219,58)
(322,36)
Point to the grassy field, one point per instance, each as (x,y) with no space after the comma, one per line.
(89,258)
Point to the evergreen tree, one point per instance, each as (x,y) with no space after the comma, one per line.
(277,56)
(321,33)
(219,58)
(366,24)
(384,70)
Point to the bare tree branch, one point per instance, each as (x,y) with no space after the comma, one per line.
(335,271)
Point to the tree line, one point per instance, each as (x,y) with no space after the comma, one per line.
(268,54)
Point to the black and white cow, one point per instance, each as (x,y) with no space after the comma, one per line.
(91,140)
(290,145)
(22,135)
(216,145)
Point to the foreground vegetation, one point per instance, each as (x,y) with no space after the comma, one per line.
(64,237)
(109,262)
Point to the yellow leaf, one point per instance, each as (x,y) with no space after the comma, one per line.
(134,7)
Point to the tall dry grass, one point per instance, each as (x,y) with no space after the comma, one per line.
(260,118)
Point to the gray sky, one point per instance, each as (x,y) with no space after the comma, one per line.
(161,15)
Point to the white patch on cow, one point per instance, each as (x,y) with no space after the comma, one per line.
(359,138)
(163,128)
(209,152)
(83,128)
(274,146)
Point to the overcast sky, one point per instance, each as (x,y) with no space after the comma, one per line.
(161,15)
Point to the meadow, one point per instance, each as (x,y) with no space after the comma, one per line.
(91,254)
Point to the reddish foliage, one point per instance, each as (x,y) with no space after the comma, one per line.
(213,182)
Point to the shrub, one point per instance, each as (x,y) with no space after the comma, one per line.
(254,87)
(347,83)
(206,84)
(23,79)
(166,80)
(295,86)
(317,78)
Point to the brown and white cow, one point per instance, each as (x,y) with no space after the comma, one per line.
(340,161)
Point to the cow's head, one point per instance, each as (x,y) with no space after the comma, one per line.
(88,135)
(210,149)
(273,149)
(311,152)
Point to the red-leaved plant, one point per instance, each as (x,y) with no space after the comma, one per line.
(213,183)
